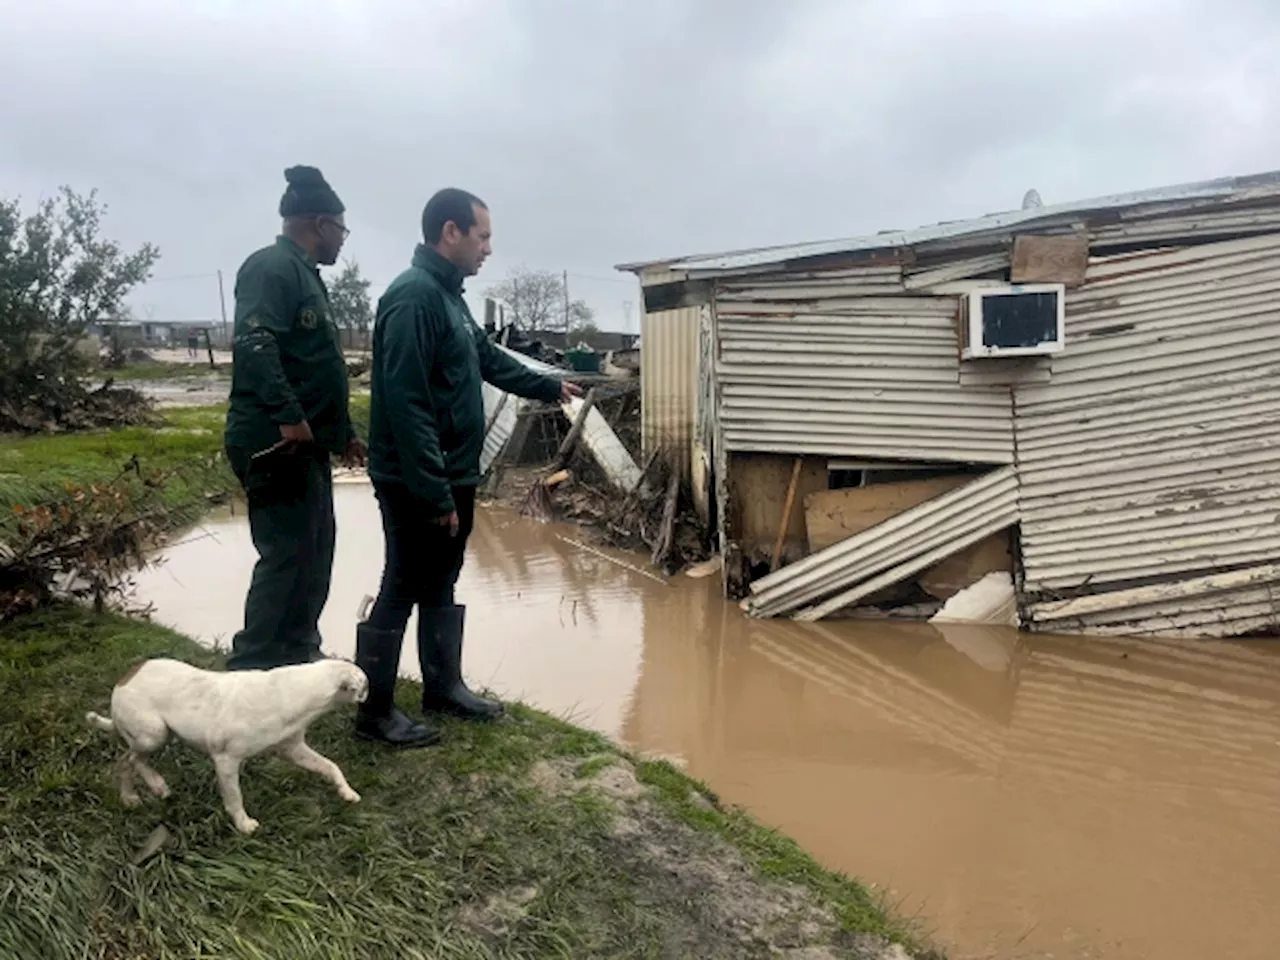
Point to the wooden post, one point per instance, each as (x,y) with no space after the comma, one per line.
(667,530)
(575,431)
(786,513)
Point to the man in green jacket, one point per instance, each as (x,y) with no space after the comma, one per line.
(288,415)
(426,431)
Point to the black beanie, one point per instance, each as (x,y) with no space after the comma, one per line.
(308,195)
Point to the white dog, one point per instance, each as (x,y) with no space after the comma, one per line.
(231,716)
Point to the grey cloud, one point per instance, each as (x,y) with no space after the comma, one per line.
(605,131)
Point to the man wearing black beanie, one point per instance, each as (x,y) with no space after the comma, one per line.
(288,415)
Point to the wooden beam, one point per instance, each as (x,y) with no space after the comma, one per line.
(786,513)
(1060,259)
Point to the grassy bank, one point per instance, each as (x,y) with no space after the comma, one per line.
(528,838)
(36,468)
(189,442)
(168,370)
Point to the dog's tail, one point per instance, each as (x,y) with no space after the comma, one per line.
(106,724)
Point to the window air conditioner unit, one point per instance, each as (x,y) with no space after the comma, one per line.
(1012,320)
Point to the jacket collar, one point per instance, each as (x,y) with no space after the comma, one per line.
(449,276)
(285,243)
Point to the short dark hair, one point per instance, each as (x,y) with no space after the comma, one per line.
(449,204)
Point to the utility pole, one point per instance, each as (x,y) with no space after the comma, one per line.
(222,300)
(566,311)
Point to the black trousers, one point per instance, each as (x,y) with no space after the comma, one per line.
(422,560)
(290,498)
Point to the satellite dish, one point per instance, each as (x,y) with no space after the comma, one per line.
(1032,199)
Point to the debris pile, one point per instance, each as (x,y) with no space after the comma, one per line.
(591,477)
(64,405)
(82,542)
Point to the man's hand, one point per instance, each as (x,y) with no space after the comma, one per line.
(568,391)
(451,521)
(356,454)
(296,432)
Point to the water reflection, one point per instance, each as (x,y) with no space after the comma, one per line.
(1031,799)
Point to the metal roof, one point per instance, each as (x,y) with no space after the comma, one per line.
(1209,192)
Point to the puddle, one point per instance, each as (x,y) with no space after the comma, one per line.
(1028,797)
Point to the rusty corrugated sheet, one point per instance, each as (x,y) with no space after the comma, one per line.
(1154,452)
(848,369)
(889,552)
(668,378)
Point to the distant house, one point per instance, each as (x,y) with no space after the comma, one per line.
(1085,395)
(158,333)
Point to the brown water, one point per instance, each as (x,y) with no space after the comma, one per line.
(1029,798)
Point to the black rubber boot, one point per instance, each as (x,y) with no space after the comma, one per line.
(440,655)
(378,718)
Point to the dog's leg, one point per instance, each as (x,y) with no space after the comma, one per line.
(124,776)
(300,752)
(228,769)
(151,777)
(144,732)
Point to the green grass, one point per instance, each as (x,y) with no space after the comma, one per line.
(457,851)
(37,469)
(34,469)
(162,370)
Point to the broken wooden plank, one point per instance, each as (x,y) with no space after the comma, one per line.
(835,515)
(1060,259)
(969,566)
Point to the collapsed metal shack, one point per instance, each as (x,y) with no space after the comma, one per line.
(1124,479)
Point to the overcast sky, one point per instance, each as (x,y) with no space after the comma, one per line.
(601,132)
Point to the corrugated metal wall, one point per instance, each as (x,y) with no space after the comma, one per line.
(890,552)
(836,364)
(669,378)
(1154,452)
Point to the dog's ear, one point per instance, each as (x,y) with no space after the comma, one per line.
(354,685)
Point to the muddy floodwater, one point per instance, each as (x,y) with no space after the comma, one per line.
(1028,798)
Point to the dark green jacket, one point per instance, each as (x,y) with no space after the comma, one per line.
(287,363)
(427,424)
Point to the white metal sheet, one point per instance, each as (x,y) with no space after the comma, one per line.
(502,410)
(1217,605)
(605,446)
(668,378)
(1152,454)
(885,554)
(879,379)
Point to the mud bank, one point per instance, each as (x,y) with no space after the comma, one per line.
(1026,797)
